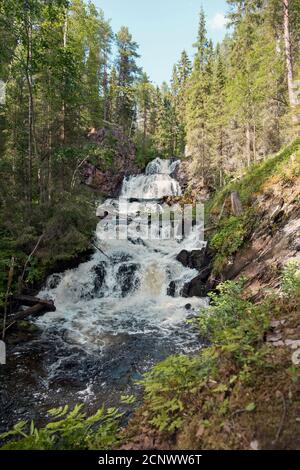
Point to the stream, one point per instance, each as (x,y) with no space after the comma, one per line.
(115,314)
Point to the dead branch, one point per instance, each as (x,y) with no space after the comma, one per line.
(76,171)
(281,424)
(99,249)
(28,260)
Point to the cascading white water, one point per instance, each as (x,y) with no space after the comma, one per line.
(156,183)
(124,292)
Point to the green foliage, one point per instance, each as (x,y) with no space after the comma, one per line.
(235,329)
(228,239)
(234,324)
(68,226)
(253,180)
(166,385)
(70,430)
(290,279)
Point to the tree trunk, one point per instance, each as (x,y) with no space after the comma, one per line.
(105,89)
(236,205)
(30,107)
(288,53)
(63,107)
(35,311)
(254,143)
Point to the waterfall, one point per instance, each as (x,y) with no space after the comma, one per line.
(116,307)
(156,183)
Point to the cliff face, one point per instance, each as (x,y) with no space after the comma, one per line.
(275,238)
(114,159)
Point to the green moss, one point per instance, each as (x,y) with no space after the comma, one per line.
(227,240)
(253,180)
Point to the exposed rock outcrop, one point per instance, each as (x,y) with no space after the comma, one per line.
(200,260)
(196,259)
(98,173)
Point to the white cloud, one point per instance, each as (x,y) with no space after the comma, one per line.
(218,21)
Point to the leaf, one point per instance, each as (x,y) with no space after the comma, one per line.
(250,407)
(128,399)
(233,379)
(220,388)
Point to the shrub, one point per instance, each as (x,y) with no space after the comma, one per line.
(290,279)
(227,240)
(235,329)
(233,323)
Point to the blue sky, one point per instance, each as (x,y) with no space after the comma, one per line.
(163,28)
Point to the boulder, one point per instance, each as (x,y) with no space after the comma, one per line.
(171,289)
(195,288)
(196,259)
(200,286)
(127,278)
(100,272)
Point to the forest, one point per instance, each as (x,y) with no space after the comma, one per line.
(78,115)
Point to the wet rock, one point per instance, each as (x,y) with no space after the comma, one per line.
(100,272)
(127,278)
(195,288)
(120,258)
(196,259)
(53,281)
(171,289)
(188,306)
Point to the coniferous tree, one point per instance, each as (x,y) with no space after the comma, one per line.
(128,72)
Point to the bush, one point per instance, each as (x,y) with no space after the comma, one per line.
(290,279)
(235,329)
(233,323)
(227,240)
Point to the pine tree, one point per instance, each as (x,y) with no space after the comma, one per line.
(201,43)
(144,95)
(128,72)
(198,92)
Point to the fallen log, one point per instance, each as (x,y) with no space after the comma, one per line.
(30,301)
(36,310)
